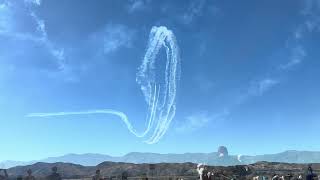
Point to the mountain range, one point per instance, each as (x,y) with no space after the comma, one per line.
(214,158)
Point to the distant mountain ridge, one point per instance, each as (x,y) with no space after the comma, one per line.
(209,158)
(290,156)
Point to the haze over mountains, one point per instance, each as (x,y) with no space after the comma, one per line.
(221,158)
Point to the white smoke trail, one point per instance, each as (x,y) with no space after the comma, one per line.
(239,157)
(160,98)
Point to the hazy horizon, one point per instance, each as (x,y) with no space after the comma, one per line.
(123,155)
(86,77)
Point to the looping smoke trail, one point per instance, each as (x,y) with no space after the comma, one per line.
(160,97)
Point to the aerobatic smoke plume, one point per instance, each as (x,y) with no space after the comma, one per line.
(160,97)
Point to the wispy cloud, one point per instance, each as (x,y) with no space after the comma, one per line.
(258,88)
(297,56)
(203,118)
(137,5)
(64,71)
(39,36)
(254,89)
(310,6)
(111,38)
(8,24)
(116,36)
(195,9)
(5,17)
(310,24)
(35,2)
(199,120)
(58,53)
(41,27)
(312,15)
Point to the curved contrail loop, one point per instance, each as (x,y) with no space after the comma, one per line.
(159,96)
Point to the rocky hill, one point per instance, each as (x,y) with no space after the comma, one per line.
(68,170)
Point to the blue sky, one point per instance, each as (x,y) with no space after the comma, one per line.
(249,75)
